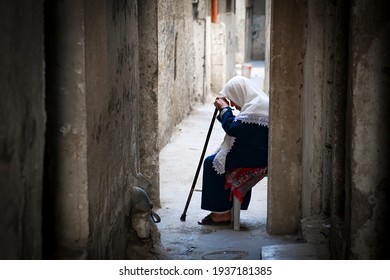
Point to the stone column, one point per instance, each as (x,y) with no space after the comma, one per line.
(286,80)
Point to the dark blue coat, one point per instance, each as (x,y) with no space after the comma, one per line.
(250,148)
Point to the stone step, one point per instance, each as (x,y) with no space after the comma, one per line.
(298,251)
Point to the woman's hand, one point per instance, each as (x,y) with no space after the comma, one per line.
(221,102)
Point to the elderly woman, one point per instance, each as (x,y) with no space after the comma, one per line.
(245,146)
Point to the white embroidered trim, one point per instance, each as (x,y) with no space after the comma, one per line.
(220,158)
(257,119)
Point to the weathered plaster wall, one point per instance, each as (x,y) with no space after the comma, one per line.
(258,30)
(22,128)
(218,59)
(338,234)
(327,197)
(66,227)
(240,27)
(325,73)
(92,153)
(228,18)
(222,47)
(369,133)
(267,59)
(286,81)
(201,86)
(324,114)
(314,108)
(345,122)
(176,92)
(148,119)
(112,85)
(173,74)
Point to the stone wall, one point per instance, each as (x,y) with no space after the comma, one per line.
(112,85)
(148,121)
(172,74)
(345,158)
(240,27)
(22,129)
(201,86)
(257,30)
(66,184)
(368,115)
(222,48)
(314,108)
(330,156)
(176,83)
(92,153)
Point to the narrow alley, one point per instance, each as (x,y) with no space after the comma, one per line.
(106,106)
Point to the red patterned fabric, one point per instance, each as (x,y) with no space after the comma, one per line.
(241,180)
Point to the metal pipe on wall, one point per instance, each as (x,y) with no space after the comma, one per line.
(214,11)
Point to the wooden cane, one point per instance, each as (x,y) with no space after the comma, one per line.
(183,216)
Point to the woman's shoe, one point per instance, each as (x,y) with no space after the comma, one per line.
(208,221)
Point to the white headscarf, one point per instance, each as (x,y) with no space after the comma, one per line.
(254,105)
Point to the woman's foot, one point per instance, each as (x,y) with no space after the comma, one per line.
(216,219)
(221,217)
